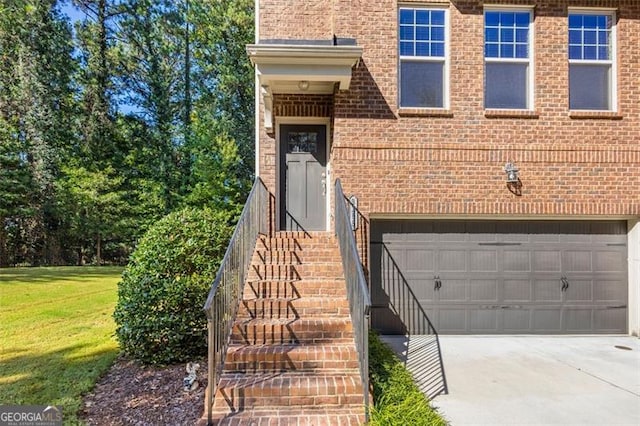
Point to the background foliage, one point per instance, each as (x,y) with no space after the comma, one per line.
(110,122)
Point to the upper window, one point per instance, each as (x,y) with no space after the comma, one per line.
(423,58)
(507,53)
(591,60)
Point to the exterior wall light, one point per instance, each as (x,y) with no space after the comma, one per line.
(303,85)
(512,172)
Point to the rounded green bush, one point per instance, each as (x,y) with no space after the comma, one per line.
(159,312)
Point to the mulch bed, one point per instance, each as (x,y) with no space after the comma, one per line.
(134,394)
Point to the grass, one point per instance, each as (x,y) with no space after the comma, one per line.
(396,398)
(56,334)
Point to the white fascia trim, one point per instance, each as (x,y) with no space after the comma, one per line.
(530,7)
(304,54)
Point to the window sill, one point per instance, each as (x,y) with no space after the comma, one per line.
(510,113)
(425,112)
(595,115)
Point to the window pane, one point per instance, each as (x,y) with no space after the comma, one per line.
(522,19)
(491,50)
(422,49)
(603,37)
(422,33)
(590,37)
(575,37)
(422,17)
(437,49)
(505,86)
(590,21)
(492,19)
(522,36)
(590,52)
(437,17)
(406,33)
(575,52)
(507,19)
(506,35)
(575,21)
(421,84)
(589,87)
(506,51)
(522,51)
(406,16)
(603,53)
(437,33)
(406,49)
(491,34)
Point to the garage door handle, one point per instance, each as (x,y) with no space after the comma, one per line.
(438,284)
(565,283)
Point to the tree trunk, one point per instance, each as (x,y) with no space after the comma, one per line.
(99,249)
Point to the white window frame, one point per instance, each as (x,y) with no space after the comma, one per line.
(444,60)
(530,60)
(613,60)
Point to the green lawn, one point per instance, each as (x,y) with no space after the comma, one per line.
(56,333)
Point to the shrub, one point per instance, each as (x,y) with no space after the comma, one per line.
(396,398)
(159,312)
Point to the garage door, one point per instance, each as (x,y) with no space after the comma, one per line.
(507,277)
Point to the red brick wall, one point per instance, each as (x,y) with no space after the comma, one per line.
(452,163)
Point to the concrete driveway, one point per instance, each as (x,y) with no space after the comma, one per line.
(546,380)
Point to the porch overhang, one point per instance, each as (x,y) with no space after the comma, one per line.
(301,68)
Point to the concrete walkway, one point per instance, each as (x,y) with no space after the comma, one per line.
(560,380)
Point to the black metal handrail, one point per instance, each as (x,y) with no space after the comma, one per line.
(226,291)
(357,289)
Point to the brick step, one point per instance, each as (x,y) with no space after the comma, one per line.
(296,243)
(295,288)
(292,331)
(297,257)
(277,358)
(275,308)
(346,416)
(237,391)
(331,270)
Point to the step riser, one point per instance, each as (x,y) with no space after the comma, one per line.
(296,308)
(282,365)
(297,244)
(236,400)
(295,289)
(286,392)
(279,257)
(267,359)
(290,334)
(295,272)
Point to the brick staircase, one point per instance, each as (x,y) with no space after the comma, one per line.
(292,357)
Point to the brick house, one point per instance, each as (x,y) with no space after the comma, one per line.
(420,106)
(493,151)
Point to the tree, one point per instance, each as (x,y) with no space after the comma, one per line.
(94,207)
(36,106)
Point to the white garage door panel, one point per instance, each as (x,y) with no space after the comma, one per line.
(500,277)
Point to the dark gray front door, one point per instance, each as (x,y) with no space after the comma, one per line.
(512,277)
(303,177)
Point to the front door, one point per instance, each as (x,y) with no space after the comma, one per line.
(303,177)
